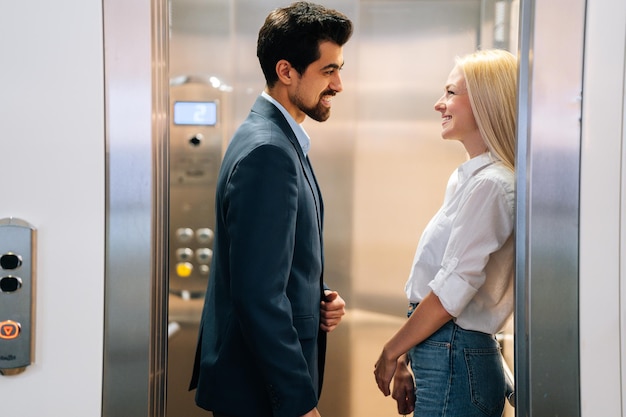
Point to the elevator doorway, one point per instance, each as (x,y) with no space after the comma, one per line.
(383,131)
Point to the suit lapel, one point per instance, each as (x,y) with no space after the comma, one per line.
(267,109)
(315,189)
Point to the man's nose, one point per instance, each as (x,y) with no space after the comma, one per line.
(336,83)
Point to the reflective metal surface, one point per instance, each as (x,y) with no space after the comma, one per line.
(18,289)
(137,86)
(549,132)
(196,136)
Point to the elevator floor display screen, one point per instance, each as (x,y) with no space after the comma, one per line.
(195,113)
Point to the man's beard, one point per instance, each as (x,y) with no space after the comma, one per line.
(318,112)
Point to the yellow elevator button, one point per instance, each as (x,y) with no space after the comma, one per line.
(184,269)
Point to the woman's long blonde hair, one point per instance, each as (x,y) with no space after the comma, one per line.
(491,80)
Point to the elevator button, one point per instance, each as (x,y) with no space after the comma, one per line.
(10,284)
(204,269)
(204,235)
(10,261)
(184,234)
(184,254)
(204,255)
(184,269)
(9,329)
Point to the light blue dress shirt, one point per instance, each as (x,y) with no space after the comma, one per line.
(301,135)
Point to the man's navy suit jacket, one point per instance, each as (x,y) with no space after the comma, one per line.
(260,349)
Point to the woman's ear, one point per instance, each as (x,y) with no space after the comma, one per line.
(283,70)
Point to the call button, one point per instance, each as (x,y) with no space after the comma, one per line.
(9,329)
(10,284)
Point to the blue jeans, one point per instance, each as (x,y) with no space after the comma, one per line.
(458,373)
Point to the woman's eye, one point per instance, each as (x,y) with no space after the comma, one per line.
(449,92)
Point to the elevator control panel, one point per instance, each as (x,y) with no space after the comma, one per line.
(17,290)
(196,142)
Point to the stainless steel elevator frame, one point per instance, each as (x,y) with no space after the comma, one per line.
(137,106)
(547,350)
(136,261)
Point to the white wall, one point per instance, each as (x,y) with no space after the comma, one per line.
(52,156)
(603,209)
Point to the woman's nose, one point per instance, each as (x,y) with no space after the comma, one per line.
(439,105)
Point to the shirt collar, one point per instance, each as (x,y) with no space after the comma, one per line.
(469,168)
(301,135)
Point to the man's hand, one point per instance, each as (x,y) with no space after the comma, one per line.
(332,308)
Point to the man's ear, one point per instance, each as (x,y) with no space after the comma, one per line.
(284,70)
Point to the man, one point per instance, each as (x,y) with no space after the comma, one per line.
(263,333)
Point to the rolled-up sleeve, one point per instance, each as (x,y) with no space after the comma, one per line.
(482,225)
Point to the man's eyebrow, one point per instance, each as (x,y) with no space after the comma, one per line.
(333,65)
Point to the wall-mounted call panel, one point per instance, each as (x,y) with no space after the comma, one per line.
(17,291)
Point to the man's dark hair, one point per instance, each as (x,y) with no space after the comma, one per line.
(293,33)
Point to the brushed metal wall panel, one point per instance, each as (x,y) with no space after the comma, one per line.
(548,175)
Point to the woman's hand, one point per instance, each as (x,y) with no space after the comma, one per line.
(384,370)
(427,318)
(403,387)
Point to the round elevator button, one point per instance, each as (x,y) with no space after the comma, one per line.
(184,254)
(10,284)
(184,269)
(184,234)
(10,261)
(204,255)
(204,235)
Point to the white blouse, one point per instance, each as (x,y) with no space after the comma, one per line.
(466,254)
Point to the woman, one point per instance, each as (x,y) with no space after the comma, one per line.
(460,287)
